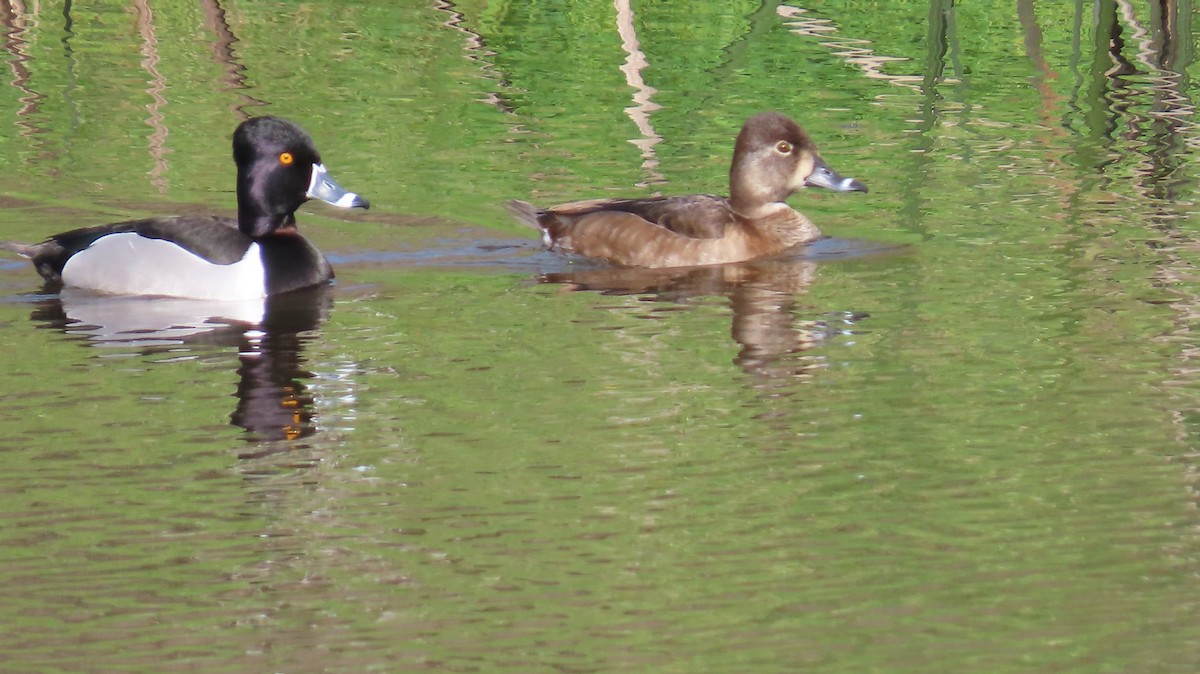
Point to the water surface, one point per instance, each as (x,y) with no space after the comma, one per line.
(956,437)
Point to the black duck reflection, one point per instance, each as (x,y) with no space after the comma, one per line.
(274,405)
(766,322)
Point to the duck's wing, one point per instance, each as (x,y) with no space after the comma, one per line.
(214,239)
(636,233)
(698,216)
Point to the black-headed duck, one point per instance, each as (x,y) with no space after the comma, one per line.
(215,258)
(773,158)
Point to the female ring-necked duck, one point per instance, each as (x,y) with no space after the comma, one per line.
(212,258)
(773,158)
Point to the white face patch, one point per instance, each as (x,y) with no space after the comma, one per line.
(129,264)
(804,169)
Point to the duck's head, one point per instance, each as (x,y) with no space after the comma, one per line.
(279,168)
(774,158)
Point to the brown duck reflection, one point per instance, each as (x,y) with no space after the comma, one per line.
(762,294)
(273,402)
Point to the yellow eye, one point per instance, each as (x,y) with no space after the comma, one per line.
(784,147)
(286,158)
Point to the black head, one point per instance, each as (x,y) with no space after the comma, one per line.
(278,169)
(773,158)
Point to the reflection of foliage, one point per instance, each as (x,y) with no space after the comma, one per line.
(394,105)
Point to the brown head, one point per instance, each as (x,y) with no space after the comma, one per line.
(774,158)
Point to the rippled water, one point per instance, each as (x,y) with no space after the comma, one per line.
(957,436)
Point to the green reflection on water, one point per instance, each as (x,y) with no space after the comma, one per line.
(973,454)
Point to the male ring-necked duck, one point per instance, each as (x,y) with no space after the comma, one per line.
(772,159)
(212,258)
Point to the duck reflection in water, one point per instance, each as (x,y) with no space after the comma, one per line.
(765,323)
(274,406)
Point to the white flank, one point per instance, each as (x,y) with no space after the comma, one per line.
(129,264)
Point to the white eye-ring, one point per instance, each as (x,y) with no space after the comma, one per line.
(783,147)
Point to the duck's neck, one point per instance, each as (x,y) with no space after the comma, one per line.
(781,223)
(257,224)
(750,192)
(261,212)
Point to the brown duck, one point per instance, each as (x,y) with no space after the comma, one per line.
(773,158)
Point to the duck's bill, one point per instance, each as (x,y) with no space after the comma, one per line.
(823,176)
(324,187)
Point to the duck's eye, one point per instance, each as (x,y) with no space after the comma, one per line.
(286,158)
(783,147)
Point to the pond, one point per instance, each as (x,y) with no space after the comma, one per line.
(956,436)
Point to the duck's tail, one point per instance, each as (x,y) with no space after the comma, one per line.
(528,214)
(48,257)
(525,212)
(23,249)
